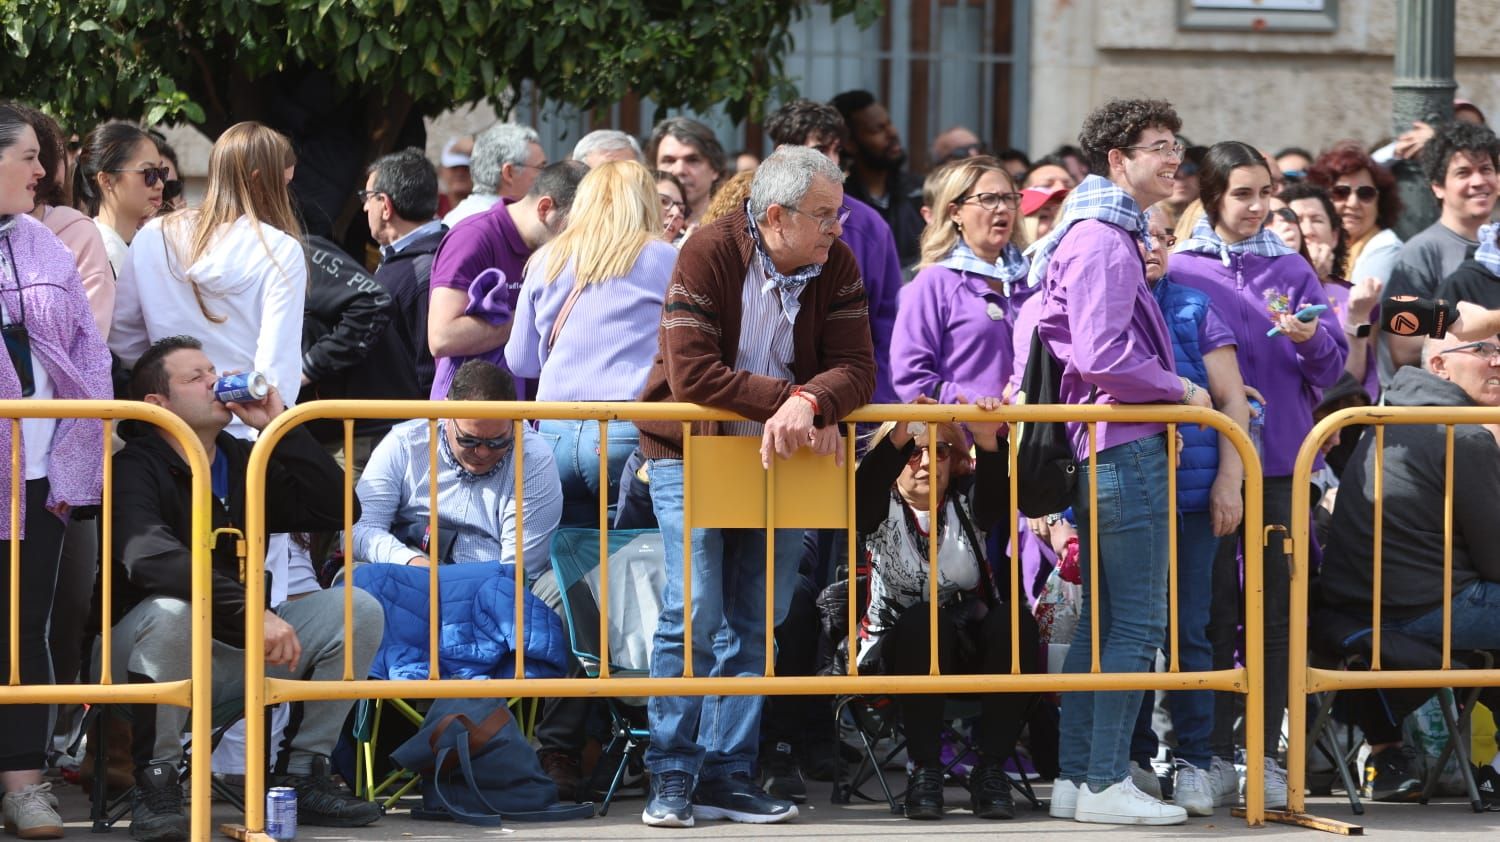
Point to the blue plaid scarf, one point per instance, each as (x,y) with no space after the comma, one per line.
(1096,198)
(1206,240)
(789,286)
(1010,269)
(1488,254)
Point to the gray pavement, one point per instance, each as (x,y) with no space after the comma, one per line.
(821,819)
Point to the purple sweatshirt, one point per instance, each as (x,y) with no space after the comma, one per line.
(1247,294)
(1103,325)
(874,249)
(952,337)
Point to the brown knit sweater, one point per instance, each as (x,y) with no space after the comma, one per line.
(832,356)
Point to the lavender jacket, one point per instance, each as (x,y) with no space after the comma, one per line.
(1104,326)
(66,342)
(874,249)
(953,337)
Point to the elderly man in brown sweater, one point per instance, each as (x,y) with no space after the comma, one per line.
(765,316)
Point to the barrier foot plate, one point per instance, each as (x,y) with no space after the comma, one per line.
(1307,820)
(238,831)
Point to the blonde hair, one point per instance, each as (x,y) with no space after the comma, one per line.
(246,177)
(1190,215)
(615,213)
(947,185)
(731,196)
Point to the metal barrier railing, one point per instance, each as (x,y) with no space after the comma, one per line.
(1305,679)
(192,693)
(802,493)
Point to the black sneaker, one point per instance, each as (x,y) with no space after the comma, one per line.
(1489,786)
(989,792)
(671,803)
(1394,774)
(780,773)
(740,799)
(924,794)
(323,803)
(156,807)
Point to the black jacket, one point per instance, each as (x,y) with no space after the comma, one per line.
(902,211)
(153,518)
(1412,534)
(1471,281)
(405,276)
(348,347)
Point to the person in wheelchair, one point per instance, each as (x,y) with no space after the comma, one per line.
(974,628)
(1454,373)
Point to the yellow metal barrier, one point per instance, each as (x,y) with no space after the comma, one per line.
(192,693)
(724,486)
(1305,679)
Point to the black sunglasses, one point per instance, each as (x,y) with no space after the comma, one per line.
(1287,214)
(1340,192)
(468,442)
(151,175)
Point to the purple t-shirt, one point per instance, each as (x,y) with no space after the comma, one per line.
(483,241)
(874,249)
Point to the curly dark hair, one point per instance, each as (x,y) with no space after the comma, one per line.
(1119,123)
(1347,157)
(802,120)
(1305,190)
(1457,136)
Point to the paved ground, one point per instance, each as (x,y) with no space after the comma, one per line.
(822,820)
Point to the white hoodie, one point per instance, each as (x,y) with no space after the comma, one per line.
(257,284)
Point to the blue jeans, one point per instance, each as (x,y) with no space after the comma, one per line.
(1132,519)
(1476,618)
(1192,710)
(712,737)
(575,448)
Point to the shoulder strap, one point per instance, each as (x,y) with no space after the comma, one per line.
(562,315)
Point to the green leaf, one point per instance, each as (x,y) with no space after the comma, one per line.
(398,7)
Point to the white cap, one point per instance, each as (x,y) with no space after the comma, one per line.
(453,158)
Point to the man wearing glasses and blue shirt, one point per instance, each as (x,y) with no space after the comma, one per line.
(475,485)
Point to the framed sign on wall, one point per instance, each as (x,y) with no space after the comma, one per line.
(1259,15)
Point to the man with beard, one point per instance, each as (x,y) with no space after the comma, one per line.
(875,174)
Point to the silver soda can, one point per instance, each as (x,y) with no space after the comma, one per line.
(281,813)
(242,388)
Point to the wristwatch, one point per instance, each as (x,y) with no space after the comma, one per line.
(1358,331)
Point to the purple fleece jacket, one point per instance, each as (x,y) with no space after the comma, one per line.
(867,235)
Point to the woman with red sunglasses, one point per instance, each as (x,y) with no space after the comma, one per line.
(119,183)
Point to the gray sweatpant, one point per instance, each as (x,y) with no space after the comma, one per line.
(153,643)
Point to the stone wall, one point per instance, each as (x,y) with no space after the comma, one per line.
(1269,89)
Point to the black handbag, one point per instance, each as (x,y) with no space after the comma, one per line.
(1046,469)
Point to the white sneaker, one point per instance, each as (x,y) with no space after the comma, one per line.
(1064,799)
(1192,790)
(1275,785)
(32,813)
(1224,782)
(1123,803)
(1145,780)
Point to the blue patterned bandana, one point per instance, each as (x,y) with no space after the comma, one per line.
(1488,254)
(1096,198)
(788,286)
(1010,269)
(1206,240)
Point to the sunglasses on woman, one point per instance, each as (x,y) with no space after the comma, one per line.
(944,450)
(1340,192)
(151,175)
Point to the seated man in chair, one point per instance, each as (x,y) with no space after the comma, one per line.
(304,638)
(1454,373)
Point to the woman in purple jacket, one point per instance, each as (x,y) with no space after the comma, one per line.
(952,333)
(54,351)
(1256,284)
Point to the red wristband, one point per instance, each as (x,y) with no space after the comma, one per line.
(799,392)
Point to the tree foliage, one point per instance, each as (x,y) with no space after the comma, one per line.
(210,61)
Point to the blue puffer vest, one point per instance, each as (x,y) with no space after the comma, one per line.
(1184,309)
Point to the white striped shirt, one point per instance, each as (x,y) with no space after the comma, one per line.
(765,336)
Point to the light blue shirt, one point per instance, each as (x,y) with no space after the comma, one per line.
(394,500)
(399,245)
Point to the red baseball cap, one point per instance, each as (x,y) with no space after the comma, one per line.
(1033,198)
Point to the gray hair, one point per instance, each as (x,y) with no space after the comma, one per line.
(496,146)
(785,177)
(606,140)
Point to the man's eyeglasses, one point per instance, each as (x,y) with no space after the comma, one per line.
(826,223)
(668,203)
(993,201)
(366,195)
(967,151)
(1166,241)
(1162,147)
(150,175)
(468,442)
(944,450)
(1341,192)
(1486,351)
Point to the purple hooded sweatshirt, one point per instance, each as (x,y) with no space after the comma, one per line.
(66,343)
(1104,326)
(867,235)
(1247,295)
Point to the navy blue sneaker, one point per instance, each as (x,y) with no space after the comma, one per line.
(740,799)
(671,802)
